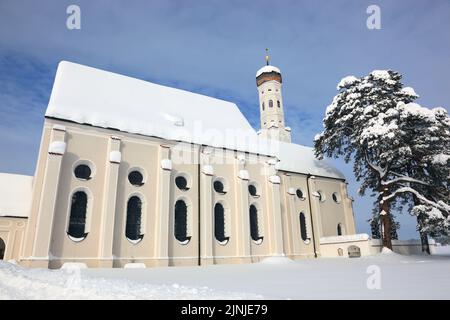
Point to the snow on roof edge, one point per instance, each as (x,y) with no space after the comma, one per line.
(15,195)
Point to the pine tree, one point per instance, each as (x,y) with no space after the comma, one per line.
(393,142)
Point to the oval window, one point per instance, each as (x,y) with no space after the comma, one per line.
(321,196)
(219,187)
(181,183)
(136,178)
(252,190)
(336,197)
(299,193)
(83,172)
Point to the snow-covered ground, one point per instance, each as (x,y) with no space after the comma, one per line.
(400,277)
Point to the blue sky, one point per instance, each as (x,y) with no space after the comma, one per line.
(215,48)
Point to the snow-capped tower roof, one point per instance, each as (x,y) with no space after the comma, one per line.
(268,72)
(267,69)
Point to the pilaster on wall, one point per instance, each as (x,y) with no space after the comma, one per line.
(163,205)
(46,210)
(315,213)
(348,210)
(242,221)
(109,202)
(290,246)
(206,209)
(274,214)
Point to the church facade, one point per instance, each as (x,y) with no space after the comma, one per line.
(133,172)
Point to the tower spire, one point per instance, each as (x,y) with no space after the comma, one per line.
(267,56)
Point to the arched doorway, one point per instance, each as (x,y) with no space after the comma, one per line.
(2,249)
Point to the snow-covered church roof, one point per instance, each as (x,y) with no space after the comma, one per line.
(15,195)
(297,158)
(104,99)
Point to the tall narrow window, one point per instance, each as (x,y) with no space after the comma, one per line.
(263,107)
(219,224)
(303,232)
(77,220)
(134,215)
(2,249)
(270,103)
(339,229)
(180,227)
(278,104)
(254,224)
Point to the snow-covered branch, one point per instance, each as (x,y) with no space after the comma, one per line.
(382,172)
(439,205)
(401,179)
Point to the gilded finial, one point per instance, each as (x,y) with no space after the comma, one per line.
(267,56)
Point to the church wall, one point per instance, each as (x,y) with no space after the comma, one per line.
(332,212)
(12,233)
(259,173)
(83,147)
(137,155)
(187,166)
(295,247)
(27,254)
(109,190)
(223,163)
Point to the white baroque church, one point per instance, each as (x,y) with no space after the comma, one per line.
(134,172)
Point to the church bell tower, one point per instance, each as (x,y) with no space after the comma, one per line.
(268,82)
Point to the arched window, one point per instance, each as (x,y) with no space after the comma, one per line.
(339,229)
(263,107)
(77,220)
(278,104)
(270,103)
(180,227)
(134,216)
(2,249)
(219,224)
(303,232)
(254,224)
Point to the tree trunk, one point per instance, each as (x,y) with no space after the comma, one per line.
(424,240)
(423,235)
(386,222)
